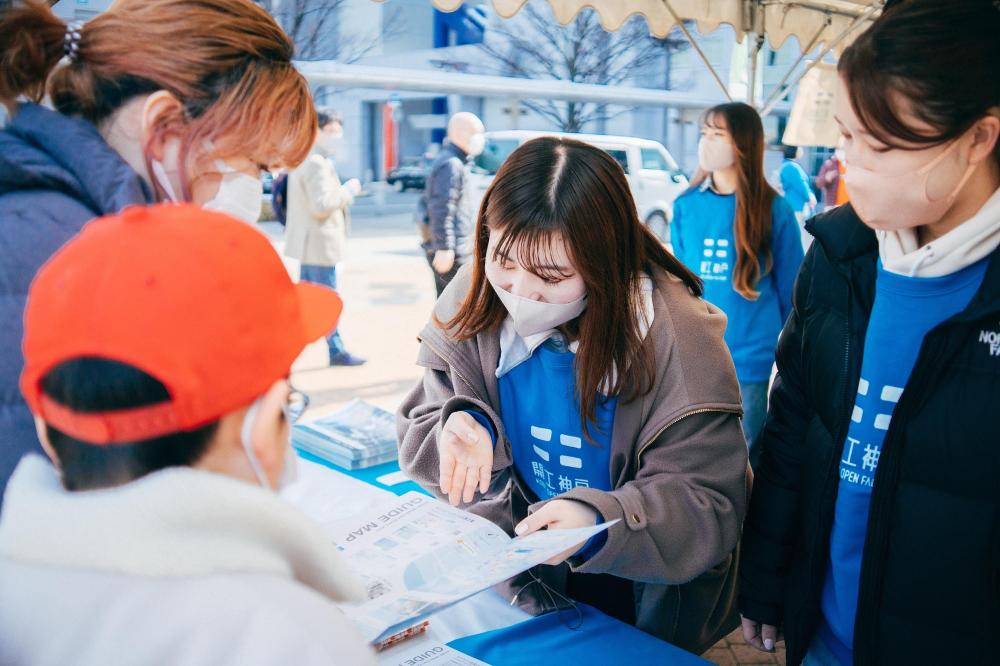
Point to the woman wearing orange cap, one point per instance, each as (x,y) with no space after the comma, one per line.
(155,100)
(155,536)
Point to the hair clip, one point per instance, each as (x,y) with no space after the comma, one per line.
(71,41)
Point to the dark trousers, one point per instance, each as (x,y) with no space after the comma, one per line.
(327,277)
(441,280)
(609,594)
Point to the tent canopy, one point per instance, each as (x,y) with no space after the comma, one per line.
(815,21)
(829,24)
(834,24)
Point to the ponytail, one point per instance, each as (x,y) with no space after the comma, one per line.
(227,62)
(32,42)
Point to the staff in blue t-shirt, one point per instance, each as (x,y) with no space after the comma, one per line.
(739,236)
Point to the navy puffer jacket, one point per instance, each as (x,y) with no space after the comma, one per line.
(56,174)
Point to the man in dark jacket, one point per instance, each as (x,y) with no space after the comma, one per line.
(449,218)
(56,174)
(929,586)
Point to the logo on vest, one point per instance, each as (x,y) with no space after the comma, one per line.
(992,340)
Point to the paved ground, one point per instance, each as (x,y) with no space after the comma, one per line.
(733,651)
(388,294)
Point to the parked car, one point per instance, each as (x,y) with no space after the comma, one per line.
(411,174)
(651,171)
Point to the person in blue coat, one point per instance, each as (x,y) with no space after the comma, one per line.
(132,124)
(741,238)
(796,190)
(795,184)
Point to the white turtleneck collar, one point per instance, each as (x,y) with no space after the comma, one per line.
(971,241)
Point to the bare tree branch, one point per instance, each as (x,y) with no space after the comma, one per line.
(533,45)
(312,25)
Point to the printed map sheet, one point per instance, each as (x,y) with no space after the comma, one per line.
(417,555)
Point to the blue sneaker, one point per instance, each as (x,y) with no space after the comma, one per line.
(346,359)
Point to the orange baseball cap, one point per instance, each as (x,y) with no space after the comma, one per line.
(196,299)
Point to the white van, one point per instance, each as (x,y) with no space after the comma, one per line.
(652,174)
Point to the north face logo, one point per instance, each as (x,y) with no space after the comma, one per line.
(991,339)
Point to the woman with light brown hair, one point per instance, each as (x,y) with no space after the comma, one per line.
(740,236)
(154,100)
(573,376)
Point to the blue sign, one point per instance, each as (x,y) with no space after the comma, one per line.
(468,24)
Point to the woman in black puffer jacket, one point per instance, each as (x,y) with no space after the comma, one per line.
(873,535)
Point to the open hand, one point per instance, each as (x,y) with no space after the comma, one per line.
(465,452)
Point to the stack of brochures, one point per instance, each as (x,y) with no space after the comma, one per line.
(358,436)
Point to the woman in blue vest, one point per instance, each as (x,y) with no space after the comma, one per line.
(734,231)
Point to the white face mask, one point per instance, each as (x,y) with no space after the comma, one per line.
(288,473)
(239,194)
(715,155)
(533,317)
(160,175)
(477,144)
(329,143)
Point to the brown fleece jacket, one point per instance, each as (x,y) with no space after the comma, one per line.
(678,466)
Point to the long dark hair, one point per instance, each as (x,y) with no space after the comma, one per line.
(559,187)
(941,57)
(754,196)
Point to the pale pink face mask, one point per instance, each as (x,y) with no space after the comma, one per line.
(715,155)
(900,201)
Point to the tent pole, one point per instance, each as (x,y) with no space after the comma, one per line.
(781,93)
(753,17)
(806,51)
(697,48)
(754,59)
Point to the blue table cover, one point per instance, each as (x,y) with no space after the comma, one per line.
(369,475)
(548,640)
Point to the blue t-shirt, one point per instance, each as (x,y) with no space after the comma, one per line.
(541,415)
(701,232)
(905,310)
(795,185)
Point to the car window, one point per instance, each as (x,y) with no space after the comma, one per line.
(620,155)
(653,160)
(494,154)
